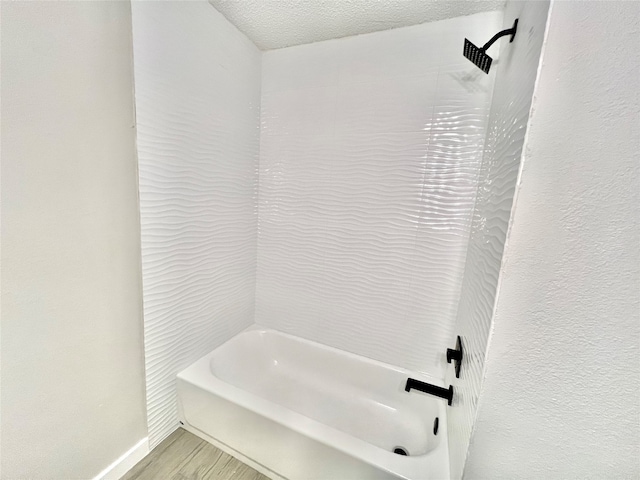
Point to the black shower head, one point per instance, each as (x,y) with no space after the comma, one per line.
(479,56)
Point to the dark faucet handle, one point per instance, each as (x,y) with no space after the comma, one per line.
(453,355)
(456,356)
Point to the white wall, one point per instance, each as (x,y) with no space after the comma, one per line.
(72,353)
(560,398)
(516,65)
(197,84)
(370,152)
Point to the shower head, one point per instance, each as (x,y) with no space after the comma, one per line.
(479,56)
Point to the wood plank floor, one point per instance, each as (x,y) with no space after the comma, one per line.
(183,456)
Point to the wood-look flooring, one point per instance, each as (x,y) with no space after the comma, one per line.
(183,456)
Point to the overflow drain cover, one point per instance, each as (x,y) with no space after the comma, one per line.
(400,451)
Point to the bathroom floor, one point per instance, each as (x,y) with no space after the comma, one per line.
(183,456)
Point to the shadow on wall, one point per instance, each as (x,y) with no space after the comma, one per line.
(469,80)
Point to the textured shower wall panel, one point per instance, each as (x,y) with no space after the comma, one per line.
(197,82)
(516,66)
(370,152)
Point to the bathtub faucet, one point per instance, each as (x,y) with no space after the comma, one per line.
(430,389)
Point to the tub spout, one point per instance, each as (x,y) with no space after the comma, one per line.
(446,393)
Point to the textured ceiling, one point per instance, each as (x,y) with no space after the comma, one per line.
(281,23)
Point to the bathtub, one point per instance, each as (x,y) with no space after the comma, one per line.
(295,409)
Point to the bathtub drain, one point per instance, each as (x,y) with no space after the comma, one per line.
(400,451)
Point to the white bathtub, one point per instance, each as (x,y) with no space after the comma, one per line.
(298,410)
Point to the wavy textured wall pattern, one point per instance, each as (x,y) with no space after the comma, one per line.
(197,100)
(370,157)
(516,73)
(370,153)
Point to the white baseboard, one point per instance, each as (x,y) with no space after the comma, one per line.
(123,464)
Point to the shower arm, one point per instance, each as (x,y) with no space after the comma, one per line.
(510,31)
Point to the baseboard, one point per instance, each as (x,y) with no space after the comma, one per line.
(123,464)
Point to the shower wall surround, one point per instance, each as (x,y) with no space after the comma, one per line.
(197,82)
(370,153)
(516,66)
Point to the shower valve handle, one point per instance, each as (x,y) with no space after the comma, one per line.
(456,356)
(453,355)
